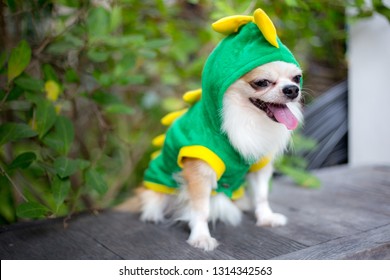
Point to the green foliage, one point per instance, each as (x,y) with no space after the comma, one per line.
(294,166)
(15,131)
(84,84)
(19,60)
(31,210)
(22,161)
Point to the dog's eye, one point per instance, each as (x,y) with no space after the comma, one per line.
(297,79)
(260,84)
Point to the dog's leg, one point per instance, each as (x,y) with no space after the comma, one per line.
(199,178)
(259,184)
(153,205)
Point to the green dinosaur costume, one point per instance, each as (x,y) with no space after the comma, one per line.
(196,132)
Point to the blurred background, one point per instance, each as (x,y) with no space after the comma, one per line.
(84,84)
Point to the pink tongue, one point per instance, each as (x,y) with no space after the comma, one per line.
(283,115)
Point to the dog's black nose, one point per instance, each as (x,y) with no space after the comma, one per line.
(291,91)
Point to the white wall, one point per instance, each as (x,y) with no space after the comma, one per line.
(369,91)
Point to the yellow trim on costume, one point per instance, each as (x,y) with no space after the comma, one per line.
(155,154)
(266,26)
(203,153)
(158,141)
(171,117)
(160,188)
(229,25)
(192,96)
(237,194)
(260,164)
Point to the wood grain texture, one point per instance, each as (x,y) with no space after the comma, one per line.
(372,244)
(347,218)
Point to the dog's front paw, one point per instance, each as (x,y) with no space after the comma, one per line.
(271,220)
(206,243)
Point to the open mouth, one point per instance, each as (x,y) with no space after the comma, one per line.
(277,112)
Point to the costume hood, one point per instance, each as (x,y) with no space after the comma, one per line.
(251,42)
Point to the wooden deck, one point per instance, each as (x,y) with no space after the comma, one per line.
(348,218)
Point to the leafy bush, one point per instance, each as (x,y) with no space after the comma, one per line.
(84,84)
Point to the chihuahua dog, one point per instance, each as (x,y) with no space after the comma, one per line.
(238,123)
(259,112)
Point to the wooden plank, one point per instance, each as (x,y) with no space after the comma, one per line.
(113,235)
(49,240)
(249,241)
(335,202)
(310,227)
(129,238)
(372,244)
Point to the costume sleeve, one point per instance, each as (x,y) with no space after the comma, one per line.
(205,154)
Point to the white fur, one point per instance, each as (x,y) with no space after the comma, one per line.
(153,206)
(221,209)
(258,184)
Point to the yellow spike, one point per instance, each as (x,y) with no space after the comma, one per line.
(266,27)
(192,96)
(155,154)
(159,140)
(171,117)
(229,25)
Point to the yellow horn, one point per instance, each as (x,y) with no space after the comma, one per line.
(266,27)
(229,25)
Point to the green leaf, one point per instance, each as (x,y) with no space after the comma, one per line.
(119,109)
(14,94)
(12,5)
(23,160)
(147,53)
(301,177)
(7,203)
(83,163)
(157,43)
(29,83)
(15,131)
(71,76)
(98,22)
(95,181)
(98,56)
(104,98)
(65,131)
(19,60)
(45,117)
(65,167)
(31,209)
(115,17)
(60,189)
(60,47)
(50,73)
(137,79)
(61,137)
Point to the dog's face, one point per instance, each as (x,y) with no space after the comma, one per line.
(273,88)
(265,105)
